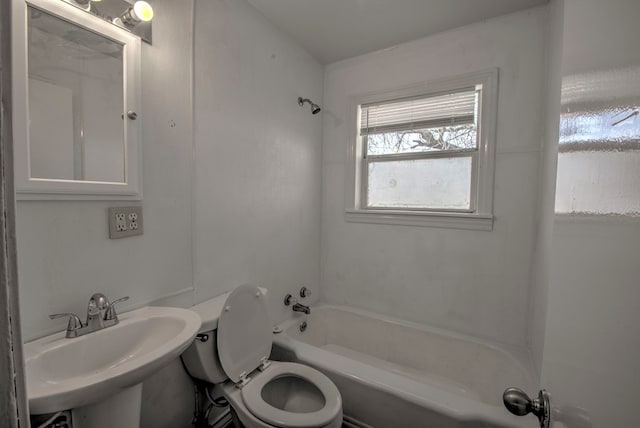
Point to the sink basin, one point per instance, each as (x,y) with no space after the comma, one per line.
(70,373)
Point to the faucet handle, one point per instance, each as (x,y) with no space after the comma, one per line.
(290,300)
(111,310)
(74,321)
(305,292)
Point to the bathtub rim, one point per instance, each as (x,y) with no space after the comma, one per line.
(521,355)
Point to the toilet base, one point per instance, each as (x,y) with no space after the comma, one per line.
(235,419)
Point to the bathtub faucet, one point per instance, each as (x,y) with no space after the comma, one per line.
(299,307)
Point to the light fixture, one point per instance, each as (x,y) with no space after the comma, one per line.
(83,4)
(140,12)
(86,2)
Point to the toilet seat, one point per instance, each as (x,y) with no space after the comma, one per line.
(253,400)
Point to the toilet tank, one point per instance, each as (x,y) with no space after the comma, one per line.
(201,359)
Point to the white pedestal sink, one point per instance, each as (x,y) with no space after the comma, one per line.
(99,375)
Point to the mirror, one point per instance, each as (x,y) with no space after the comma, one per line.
(80,74)
(80,128)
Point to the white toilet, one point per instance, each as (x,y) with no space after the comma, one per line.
(233,350)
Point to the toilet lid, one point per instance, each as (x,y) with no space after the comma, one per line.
(244,332)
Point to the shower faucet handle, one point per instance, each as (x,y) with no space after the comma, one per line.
(290,300)
(305,292)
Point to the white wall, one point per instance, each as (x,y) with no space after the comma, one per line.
(257,185)
(591,344)
(64,251)
(251,181)
(65,254)
(469,281)
(257,156)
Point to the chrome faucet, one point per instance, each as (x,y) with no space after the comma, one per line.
(297,306)
(100,314)
(96,311)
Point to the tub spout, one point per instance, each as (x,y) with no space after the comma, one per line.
(299,307)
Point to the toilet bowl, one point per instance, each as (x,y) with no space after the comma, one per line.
(232,351)
(287,395)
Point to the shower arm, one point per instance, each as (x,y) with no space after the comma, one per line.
(315,108)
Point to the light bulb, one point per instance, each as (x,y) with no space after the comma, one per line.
(142,11)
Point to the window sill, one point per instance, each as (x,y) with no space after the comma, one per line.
(466,221)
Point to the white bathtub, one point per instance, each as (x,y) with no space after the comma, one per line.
(393,373)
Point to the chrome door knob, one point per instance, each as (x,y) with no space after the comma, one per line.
(516,401)
(519,403)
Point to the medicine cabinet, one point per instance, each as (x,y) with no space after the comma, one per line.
(76,99)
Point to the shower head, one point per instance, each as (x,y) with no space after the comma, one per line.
(315,108)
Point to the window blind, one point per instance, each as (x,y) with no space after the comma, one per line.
(419,113)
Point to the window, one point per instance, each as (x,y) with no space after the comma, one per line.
(424,155)
(599,145)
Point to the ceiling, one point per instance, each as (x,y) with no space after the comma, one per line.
(332,30)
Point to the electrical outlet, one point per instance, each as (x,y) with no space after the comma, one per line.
(125,221)
(121,223)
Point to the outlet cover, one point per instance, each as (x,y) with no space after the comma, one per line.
(125,221)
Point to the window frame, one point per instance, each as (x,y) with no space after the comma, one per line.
(480,216)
